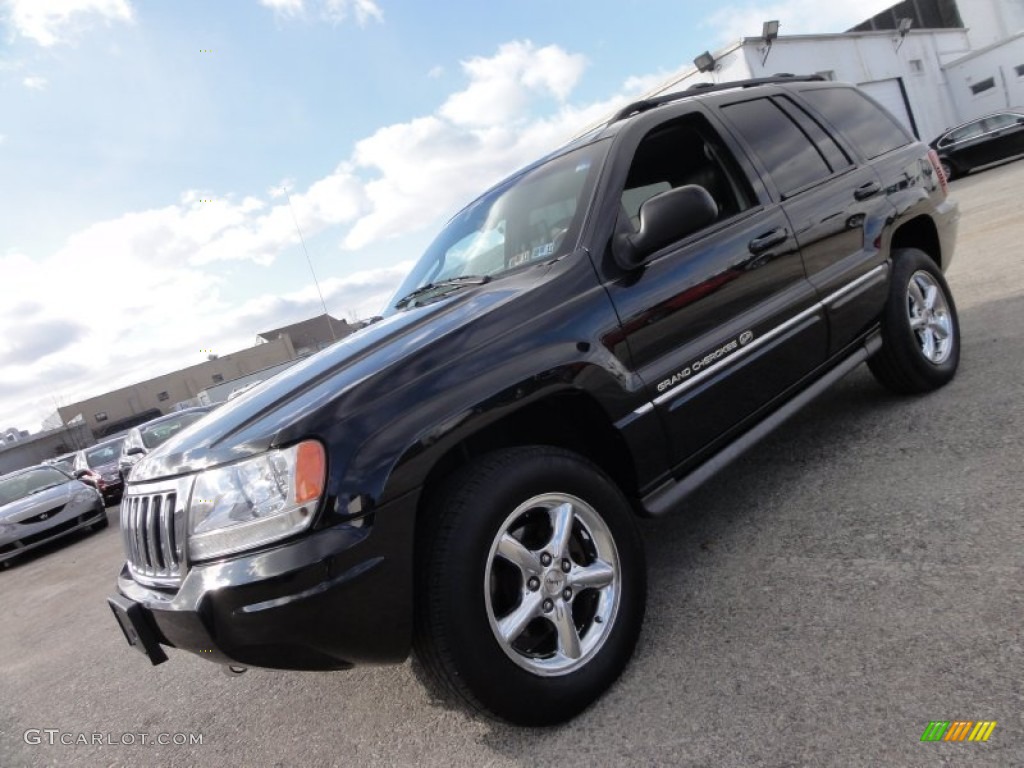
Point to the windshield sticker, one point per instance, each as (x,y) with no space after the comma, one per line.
(543,250)
(518,259)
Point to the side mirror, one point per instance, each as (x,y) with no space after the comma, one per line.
(665,218)
(80,473)
(136,451)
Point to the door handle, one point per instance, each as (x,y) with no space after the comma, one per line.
(763,242)
(864,191)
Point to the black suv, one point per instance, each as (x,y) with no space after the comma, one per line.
(588,341)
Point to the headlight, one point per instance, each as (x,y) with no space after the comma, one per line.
(255,501)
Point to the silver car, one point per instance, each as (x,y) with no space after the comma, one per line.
(42,503)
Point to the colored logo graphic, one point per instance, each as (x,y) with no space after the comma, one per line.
(958,730)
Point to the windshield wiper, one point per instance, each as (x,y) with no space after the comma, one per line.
(451,282)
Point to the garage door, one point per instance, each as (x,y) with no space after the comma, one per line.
(889,94)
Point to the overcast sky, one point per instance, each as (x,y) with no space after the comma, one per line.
(145,146)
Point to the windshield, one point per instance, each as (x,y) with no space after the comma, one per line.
(25,484)
(533,218)
(156,434)
(104,453)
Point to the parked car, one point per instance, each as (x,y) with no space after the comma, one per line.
(98,466)
(142,439)
(65,463)
(592,338)
(982,141)
(41,504)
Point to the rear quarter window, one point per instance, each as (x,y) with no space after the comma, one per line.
(868,127)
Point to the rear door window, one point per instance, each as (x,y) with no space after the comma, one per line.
(870,128)
(790,157)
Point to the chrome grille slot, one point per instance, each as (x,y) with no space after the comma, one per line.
(153,528)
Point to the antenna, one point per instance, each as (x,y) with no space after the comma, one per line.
(310,262)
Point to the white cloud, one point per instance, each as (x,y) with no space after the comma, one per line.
(435,72)
(284,7)
(34,82)
(48,22)
(501,85)
(796,17)
(329,10)
(364,10)
(422,170)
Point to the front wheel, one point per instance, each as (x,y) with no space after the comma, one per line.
(920,328)
(533,585)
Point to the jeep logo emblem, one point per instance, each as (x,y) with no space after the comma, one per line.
(553,581)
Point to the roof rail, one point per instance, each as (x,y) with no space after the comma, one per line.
(656,101)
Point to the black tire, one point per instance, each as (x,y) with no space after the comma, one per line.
(906,364)
(468,590)
(949,170)
(102,523)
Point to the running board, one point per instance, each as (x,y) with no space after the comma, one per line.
(667,496)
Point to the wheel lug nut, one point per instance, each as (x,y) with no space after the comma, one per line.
(566,594)
(547,605)
(545,559)
(533,584)
(566,565)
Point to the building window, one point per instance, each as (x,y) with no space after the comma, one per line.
(217,378)
(983,85)
(161,396)
(916,66)
(1019,69)
(101,416)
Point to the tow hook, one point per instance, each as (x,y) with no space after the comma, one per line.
(233,670)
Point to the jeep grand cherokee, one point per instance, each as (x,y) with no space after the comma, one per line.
(588,341)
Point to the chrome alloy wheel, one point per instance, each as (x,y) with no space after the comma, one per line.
(552,584)
(930,319)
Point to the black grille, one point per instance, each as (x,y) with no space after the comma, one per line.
(43,515)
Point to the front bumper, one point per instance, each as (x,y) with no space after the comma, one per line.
(328,600)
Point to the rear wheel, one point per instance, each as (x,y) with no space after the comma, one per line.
(920,328)
(533,586)
(949,170)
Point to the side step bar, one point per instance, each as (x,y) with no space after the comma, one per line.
(667,496)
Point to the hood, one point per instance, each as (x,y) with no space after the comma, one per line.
(251,423)
(37,503)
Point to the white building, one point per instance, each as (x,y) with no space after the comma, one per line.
(930,78)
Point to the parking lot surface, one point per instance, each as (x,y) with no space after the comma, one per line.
(853,578)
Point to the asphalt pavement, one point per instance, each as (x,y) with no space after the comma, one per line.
(855,577)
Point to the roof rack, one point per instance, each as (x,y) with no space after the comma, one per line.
(656,101)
